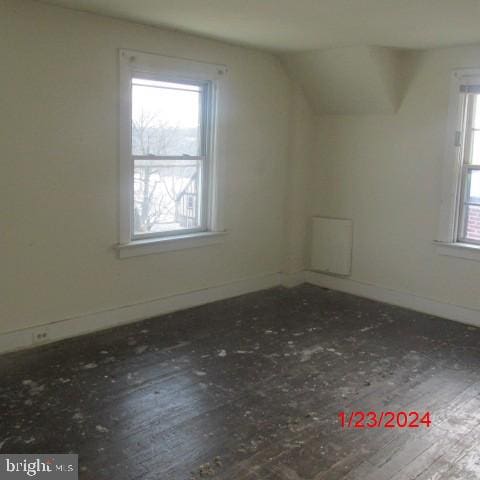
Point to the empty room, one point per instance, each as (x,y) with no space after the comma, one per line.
(240,239)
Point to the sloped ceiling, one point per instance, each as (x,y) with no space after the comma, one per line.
(296,25)
(354,80)
(312,35)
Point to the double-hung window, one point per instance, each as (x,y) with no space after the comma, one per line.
(459,221)
(167,146)
(468,228)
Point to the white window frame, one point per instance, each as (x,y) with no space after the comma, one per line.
(169,69)
(449,240)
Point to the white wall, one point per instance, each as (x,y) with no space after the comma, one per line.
(298,191)
(59,169)
(59,173)
(384,172)
(350,80)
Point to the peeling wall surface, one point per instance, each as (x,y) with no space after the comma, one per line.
(385,173)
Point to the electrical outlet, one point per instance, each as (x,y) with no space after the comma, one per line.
(40,335)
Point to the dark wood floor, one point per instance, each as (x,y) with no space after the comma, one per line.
(250,389)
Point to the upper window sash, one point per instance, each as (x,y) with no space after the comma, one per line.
(467,134)
(204,97)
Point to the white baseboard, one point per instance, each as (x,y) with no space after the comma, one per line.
(449,311)
(91,322)
(79,325)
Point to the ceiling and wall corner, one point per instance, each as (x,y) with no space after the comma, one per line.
(304,25)
(349,57)
(352,80)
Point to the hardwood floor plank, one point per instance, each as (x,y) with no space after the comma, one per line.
(250,389)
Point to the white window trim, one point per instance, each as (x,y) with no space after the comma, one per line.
(137,63)
(468,251)
(447,236)
(169,244)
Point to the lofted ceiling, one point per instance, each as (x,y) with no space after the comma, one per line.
(299,25)
(352,80)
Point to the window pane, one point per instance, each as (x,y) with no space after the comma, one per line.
(475,147)
(472,223)
(476,113)
(166,195)
(473,186)
(165,118)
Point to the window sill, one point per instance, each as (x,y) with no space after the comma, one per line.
(169,244)
(460,250)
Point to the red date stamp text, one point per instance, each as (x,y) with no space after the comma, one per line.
(384,419)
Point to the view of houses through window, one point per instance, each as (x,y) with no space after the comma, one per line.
(167,150)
